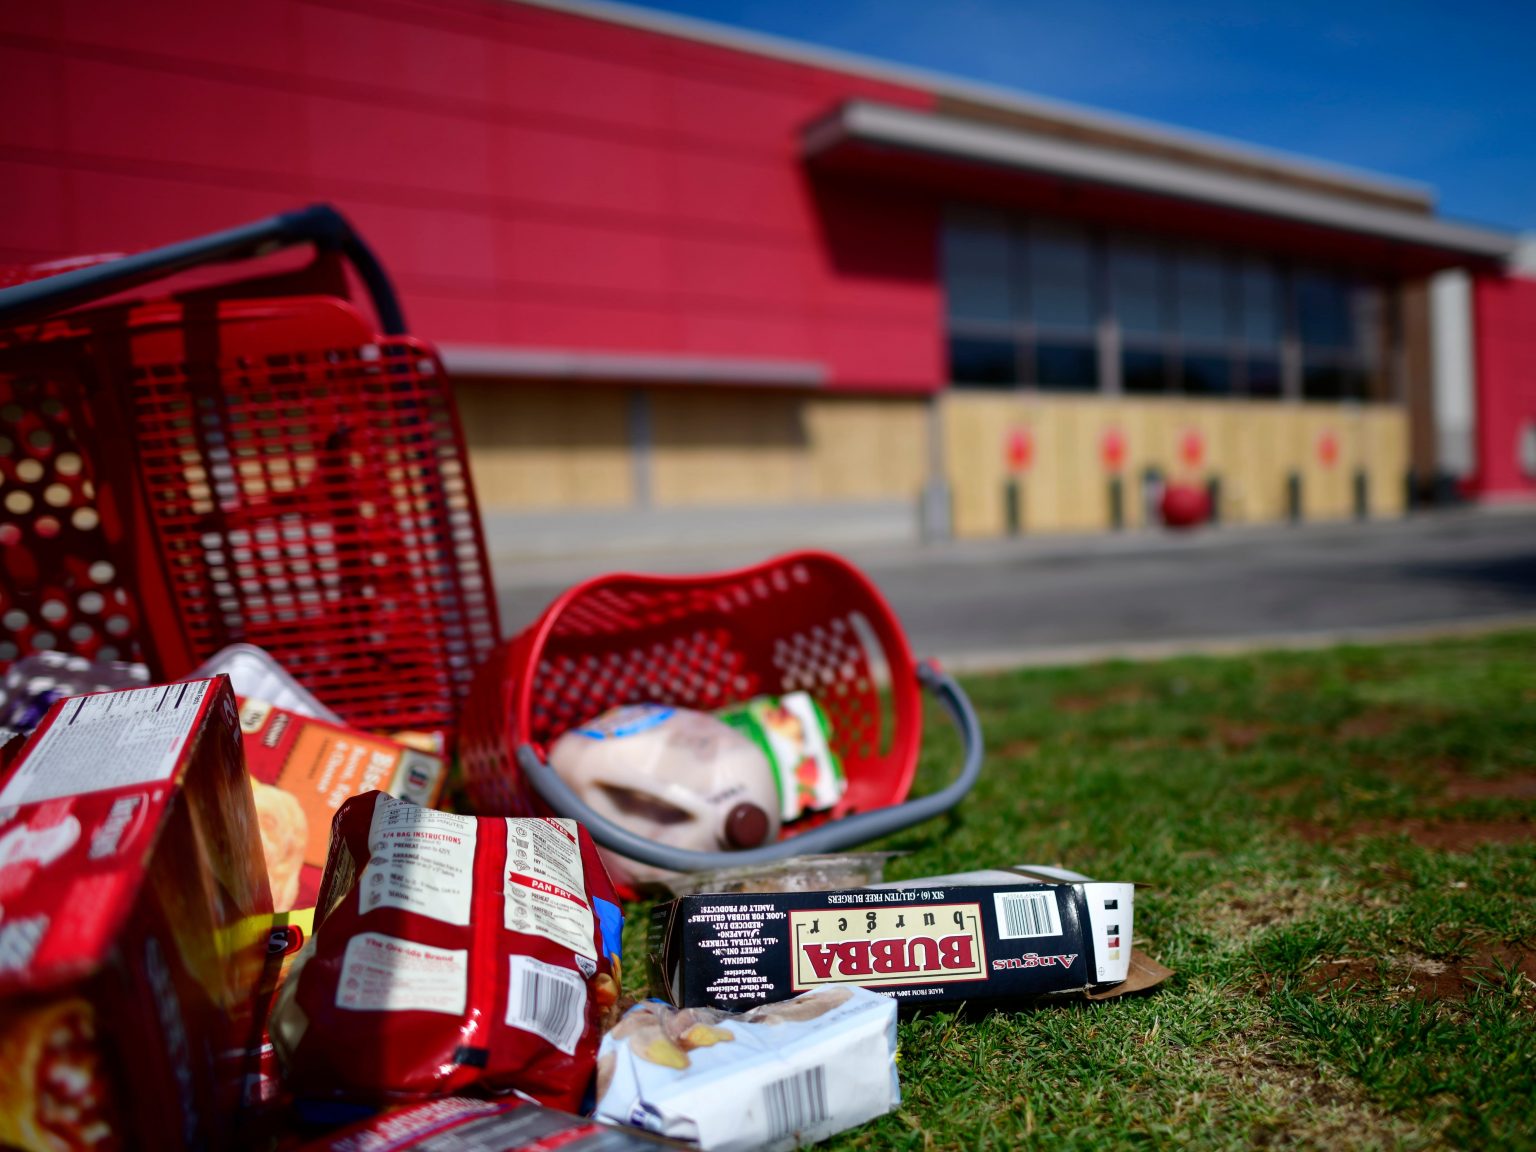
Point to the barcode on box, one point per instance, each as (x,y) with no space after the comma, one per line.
(796,1103)
(1021,915)
(548,1001)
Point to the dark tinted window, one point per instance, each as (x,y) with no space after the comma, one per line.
(978,268)
(1207,375)
(1068,367)
(983,362)
(1143,371)
(1060,263)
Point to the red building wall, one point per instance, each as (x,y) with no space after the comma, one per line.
(1504,335)
(530,178)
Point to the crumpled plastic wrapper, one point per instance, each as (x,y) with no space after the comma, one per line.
(781,1076)
(823,873)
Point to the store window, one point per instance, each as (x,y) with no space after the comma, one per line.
(1138,275)
(1027,299)
(1022,303)
(1339,325)
(1203,309)
(1261,326)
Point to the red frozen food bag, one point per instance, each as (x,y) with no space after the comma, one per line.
(451,952)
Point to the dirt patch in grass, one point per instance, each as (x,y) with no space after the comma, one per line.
(1235,911)
(1439,835)
(1425,979)
(1077,704)
(1240,737)
(1286,791)
(1313,1109)
(1520,786)
(1293,680)
(1019,749)
(1150,744)
(1373,724)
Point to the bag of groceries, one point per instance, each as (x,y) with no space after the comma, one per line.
(449,953)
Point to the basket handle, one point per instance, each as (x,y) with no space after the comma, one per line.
(833,836)
(319,224)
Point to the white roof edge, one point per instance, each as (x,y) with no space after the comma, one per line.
(511,362)
(940,83)
(892,126)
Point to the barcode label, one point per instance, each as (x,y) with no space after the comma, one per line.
(796,1103)
(1021,915)
(548,1001)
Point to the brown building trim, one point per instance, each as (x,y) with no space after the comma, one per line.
(1163,149)
(1418,383)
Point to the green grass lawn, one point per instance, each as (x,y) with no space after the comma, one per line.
(1338,856)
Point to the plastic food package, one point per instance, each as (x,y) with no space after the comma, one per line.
(794,734)
(256,674)
(778,1077)
(451,952)
(130,944)
(820,873)
(674,776)
(34,683)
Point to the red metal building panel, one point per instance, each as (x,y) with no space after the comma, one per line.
(531,178)
(1504,335)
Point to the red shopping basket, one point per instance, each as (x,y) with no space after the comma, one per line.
(224,466)
(807,621)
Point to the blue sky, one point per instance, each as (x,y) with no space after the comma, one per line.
(1441,93)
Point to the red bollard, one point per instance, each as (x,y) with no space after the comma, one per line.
(1185,506)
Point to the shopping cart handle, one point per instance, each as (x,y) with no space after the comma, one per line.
(318,224)
(833,836)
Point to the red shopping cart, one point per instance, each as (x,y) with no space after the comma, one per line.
(198,449)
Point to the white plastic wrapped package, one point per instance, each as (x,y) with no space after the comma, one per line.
(256,675)
(781,1076)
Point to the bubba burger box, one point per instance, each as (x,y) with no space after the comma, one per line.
(131,898)
(975,937)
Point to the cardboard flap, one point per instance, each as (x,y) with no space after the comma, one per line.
(1145,973)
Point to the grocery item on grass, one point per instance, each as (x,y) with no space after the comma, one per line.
(451,952)
(302,768)
(781,1076)
(673,775)
(131,942)
(816,873)
(465,1124)
(982,938)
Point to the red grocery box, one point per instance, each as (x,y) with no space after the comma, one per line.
(132,936)
(303,769)
(464,1124)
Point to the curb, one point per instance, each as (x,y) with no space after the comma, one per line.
(1149,651)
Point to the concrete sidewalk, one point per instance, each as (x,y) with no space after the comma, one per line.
(575,546)
(1147,595)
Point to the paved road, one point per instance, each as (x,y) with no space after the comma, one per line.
(1048,600)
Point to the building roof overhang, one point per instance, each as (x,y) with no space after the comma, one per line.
(547,364)
(863,133)
(1189,142)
